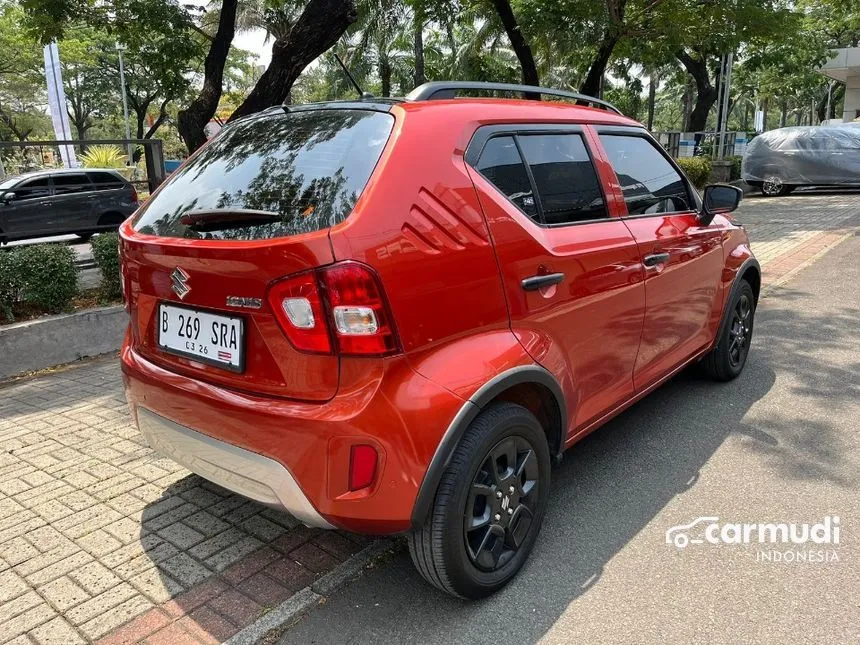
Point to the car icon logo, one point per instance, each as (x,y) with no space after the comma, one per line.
(179,283)
(679,535)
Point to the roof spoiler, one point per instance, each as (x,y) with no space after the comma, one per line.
(438,90)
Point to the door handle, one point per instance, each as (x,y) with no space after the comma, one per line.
(535,282)
(655,259)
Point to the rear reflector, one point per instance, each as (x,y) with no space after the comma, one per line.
(362,466)
(340,308)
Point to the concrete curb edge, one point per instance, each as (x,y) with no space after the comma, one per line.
(282,616)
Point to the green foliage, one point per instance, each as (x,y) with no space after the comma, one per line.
(697,169)
(11,283)
(41,276)
(103,156)
(106,253)
(736,167)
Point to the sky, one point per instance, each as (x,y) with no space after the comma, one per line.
(252,41)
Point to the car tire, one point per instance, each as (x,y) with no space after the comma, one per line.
(452,548)
(727,359)
(773,186)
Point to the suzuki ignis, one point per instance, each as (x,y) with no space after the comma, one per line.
(392,316)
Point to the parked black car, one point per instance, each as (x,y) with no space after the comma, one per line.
(57,202)
(781,160)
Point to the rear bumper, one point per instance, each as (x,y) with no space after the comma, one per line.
(295,455)
(242,471)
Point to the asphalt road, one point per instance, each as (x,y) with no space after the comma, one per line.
(779,444)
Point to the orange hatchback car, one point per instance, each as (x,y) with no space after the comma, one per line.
(392,316)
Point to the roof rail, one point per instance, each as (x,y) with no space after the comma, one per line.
(437,90)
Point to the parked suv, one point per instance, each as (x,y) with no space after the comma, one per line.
(57,202)
(392,316)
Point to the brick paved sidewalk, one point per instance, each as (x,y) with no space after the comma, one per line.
(97,530)
(101,539)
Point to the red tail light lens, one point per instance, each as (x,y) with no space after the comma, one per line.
(343,303)
(298,308)
(362,466)
(134,198)
(362,322)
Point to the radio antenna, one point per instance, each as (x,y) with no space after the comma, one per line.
(361,93)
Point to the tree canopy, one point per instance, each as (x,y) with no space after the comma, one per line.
(658,59)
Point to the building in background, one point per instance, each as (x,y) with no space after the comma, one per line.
(845,68)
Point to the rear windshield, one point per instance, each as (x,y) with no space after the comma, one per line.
(302,170)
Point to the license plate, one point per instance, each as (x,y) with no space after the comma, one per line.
(203,336)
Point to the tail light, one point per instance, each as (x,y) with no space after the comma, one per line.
(340,308)
(134,198)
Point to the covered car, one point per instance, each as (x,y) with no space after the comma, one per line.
(780,160)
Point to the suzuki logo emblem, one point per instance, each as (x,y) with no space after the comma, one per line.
(505,503)
(179,280)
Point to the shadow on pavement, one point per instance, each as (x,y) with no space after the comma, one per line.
(609,486)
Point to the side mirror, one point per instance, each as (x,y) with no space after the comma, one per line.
(7,197)
(718,199)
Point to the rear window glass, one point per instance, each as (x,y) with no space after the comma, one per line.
(304,169)
(105,180)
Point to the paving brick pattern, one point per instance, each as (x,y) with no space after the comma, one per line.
(103,540)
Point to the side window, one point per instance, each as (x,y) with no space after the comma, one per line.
(32,189)
(650,183)
(105,181)
(501,164)
(564,177)
(67,183)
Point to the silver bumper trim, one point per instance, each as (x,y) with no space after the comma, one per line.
(239,470)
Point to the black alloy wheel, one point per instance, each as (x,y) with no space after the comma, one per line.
(500,510)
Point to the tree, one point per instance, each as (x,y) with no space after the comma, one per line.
(706,31)
(319,27)
(518,41)
(22,84)
(91,92)
(194,118)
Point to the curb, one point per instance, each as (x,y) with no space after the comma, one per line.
(272,624)
(779,281)
(35,345)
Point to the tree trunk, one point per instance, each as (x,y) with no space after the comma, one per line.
(686,105)
(706,93)
(652,99)
(518,42)
(385,75)
(764,115)
(319,27)
(783,113)
(193,119)
(418,44)
(593,84)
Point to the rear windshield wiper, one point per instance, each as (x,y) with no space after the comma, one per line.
(216,219)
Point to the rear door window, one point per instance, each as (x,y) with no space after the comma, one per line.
(651,185)
(272,175)
(67,183)
(105,181)
(565,178)
(501,164)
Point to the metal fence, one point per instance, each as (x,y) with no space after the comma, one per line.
(18,157)
(698,144)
